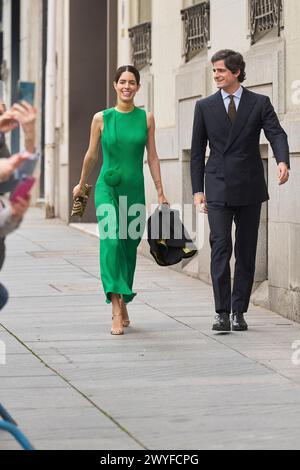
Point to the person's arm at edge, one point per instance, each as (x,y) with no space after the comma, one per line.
(7,222)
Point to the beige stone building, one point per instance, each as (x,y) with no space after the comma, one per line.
(172,41)
(71,52)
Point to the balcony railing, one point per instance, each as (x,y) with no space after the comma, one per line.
(265,15)
(140,36)
(196,21)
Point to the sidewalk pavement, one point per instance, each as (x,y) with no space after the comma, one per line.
(169,383)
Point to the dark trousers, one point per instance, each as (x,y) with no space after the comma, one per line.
(246,219)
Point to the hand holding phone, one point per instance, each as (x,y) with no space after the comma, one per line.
(23,189)
(19,208)
(8,122)
(25,113)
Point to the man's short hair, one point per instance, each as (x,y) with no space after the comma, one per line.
(233,61)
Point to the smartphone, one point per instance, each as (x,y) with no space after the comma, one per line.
(26,92)
(23,189)
(27,167)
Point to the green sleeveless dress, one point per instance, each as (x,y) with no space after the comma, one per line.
(120,199)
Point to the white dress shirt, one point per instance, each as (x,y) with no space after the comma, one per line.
(236,96)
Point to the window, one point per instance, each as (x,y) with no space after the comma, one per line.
(140,12)
(189,3)
(140,36)
(196,23)
(264,15)
(144,11)
(140,32)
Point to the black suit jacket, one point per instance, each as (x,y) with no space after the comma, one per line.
(234,171)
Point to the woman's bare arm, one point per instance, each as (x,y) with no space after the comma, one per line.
(92,153)
(153,160)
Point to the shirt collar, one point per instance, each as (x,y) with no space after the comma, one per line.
(236,94)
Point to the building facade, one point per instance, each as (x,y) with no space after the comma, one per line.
(70,52)
(172,43)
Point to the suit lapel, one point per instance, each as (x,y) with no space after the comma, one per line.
(247,102)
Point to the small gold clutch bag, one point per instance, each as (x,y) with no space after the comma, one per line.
(80,202)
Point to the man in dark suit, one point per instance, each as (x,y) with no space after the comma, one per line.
(231,121)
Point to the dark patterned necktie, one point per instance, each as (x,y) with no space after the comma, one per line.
(232,110)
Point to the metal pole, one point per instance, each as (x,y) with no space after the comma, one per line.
(50,113)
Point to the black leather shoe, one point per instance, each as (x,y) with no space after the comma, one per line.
(222,322)
(238,322)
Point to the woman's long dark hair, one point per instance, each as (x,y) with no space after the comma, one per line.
(128,68)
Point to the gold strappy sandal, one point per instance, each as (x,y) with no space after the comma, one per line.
(116,331)
(126,321)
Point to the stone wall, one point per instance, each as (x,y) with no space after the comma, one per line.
(171,90)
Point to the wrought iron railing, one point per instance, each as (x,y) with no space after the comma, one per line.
(196,21)
(265,15)
(140,36)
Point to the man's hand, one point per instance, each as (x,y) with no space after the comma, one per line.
(9,165)
(26,114)
(19,208)
(200,202)
(283,173)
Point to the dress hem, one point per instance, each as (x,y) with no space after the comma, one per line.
(127,297)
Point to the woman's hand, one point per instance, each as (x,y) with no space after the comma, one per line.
(162,199)
(78,192)
(8,122)
(9,165)
(26,115)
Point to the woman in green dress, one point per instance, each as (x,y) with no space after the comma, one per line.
(124,132)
